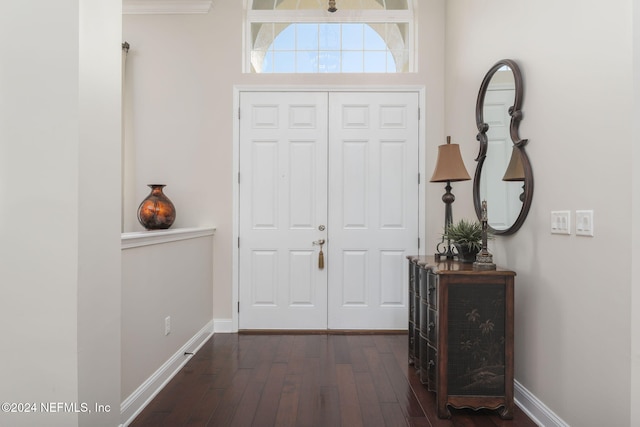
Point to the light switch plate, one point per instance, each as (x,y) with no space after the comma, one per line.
(584,223)
(560,222)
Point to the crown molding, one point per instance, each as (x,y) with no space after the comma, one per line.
(165,7)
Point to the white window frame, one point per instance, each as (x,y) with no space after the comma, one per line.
(323,16)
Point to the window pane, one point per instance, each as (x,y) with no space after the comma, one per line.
(283,62)
(307,36)
(391,63)
(285,40)
(402,31)
(263,35)
(329,36)
(301,4)
(267,63)
(373,40)
(307,61)
(397,5)
(258,60)
(352,62)
(375,62)
(262,4)
(400,60)
(360,4)
(329,62)
(352,36)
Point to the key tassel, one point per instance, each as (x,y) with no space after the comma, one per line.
(321,260)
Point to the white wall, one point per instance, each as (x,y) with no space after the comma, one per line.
(170,279)
(635,239)
(181,73)
(572,293)
(59,186)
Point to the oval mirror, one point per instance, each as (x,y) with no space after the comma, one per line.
(503,175)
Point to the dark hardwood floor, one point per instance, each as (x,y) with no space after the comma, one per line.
(304,380)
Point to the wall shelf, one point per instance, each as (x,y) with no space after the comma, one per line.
(154,237)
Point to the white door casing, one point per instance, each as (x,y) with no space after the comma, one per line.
(363,147)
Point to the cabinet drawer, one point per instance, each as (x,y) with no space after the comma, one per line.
(423,278)
(432,289)
(413,276)
(432,326)
(432,367)
(414,308)
(423,317)
(412,345)
(423,372)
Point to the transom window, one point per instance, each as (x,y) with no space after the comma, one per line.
(302,36)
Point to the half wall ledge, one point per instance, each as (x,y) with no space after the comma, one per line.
(136,239)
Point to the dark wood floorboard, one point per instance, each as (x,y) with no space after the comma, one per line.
(317,380)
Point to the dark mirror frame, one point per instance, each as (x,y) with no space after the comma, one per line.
(518,143)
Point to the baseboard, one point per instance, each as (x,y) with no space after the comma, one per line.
(223,326)
(140,398)
(535,409)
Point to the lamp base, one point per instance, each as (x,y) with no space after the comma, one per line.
(484,261)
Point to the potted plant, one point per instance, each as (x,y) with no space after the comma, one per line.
(466,236)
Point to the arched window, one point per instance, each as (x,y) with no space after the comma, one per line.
(302,36)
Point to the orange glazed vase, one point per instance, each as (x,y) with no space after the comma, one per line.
(156,212)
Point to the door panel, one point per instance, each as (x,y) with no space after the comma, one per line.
(283,200)
(373,208)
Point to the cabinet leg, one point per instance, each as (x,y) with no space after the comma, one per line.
(506,413)
(443,411)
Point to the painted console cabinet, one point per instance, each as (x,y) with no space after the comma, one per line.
(461,334)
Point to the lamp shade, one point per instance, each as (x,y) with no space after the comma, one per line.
(449,166)
(515,171)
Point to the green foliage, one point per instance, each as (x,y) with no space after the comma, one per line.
(465,233)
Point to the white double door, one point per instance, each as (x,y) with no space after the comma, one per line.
(333,166)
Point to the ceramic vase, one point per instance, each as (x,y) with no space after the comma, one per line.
(156,212)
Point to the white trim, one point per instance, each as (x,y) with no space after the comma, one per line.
(535,409)
(223,326)
(295,16)
(422,145)
(165,7)
(144,394)
(236,209)
(323,88)
(154,237)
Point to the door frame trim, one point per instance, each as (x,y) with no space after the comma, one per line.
(238,89)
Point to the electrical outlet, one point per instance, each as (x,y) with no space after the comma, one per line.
(560,222)
(584,223)
(167,325)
